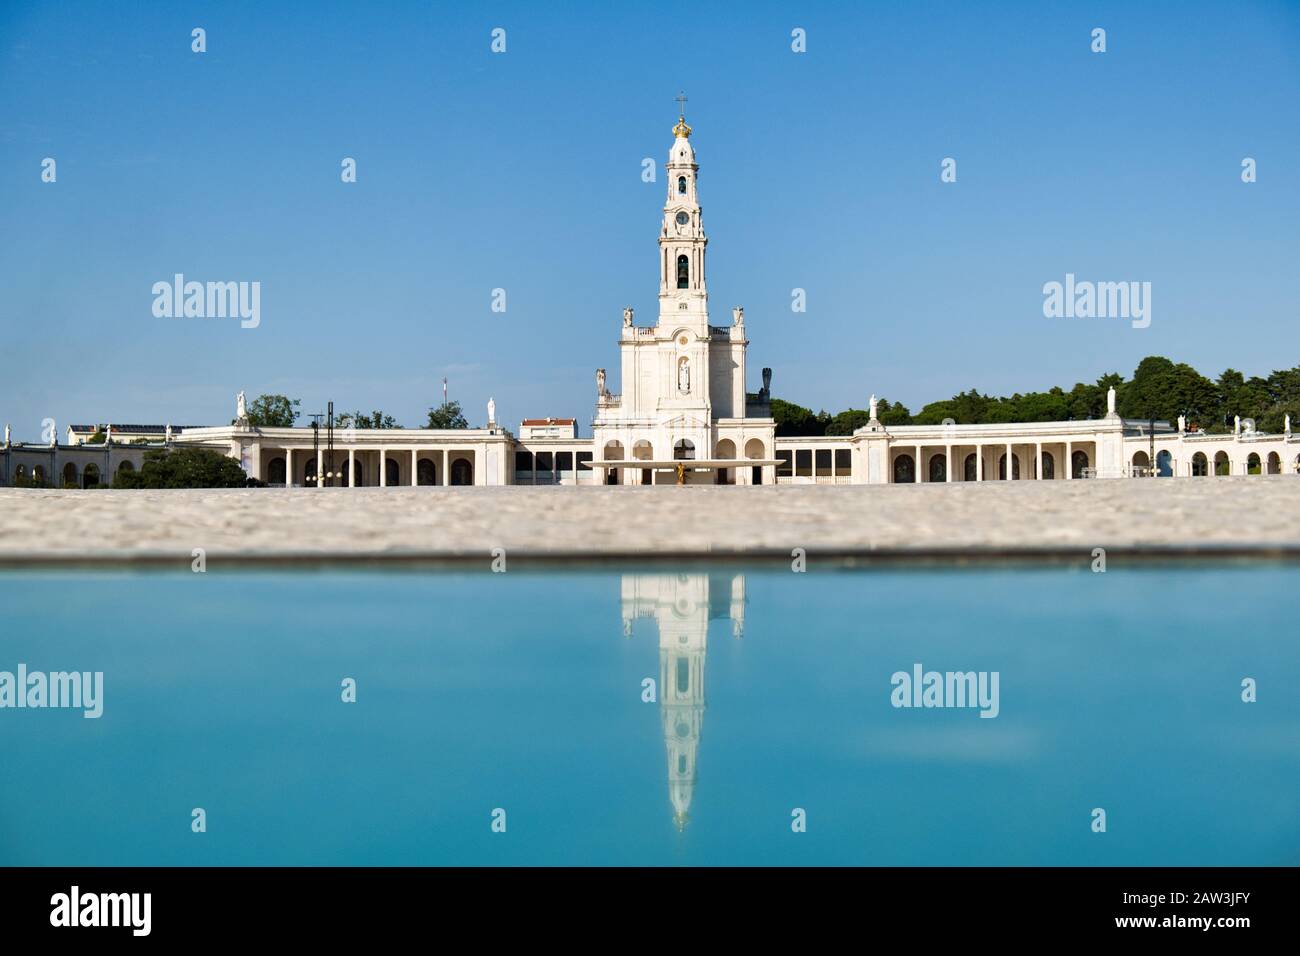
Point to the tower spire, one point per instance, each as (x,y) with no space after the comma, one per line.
(683,296)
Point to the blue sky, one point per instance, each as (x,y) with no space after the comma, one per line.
(522,171)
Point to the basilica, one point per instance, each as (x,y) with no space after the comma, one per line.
(683,414)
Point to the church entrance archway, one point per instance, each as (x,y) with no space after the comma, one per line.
(462,472)
(726,450)
(1078,464)
(904,470)
(938,468)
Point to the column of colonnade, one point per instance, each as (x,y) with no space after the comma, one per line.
(442,460)
(956,453)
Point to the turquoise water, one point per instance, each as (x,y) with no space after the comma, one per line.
(523,691)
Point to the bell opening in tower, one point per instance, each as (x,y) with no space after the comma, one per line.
(683,273)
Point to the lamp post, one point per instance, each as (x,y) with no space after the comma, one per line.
(329,445)
(315,447)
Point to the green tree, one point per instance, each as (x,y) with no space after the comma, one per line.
(447,415)
(360,419)
(1230,388)
(1162,390)
(1089,401)
(936,412)
(792,419)
(1283,399)
(273,411)
(184,468)
(98,438)
(848,421)
(894,413)
(1146,394)
(1050,406)
(1190,394)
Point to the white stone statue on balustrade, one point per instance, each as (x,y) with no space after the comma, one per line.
(1236,426)
(738,315)
(627,317)
(241,409)
(1110,402)
(875,408)
(600,383)
(6,436)
(1286,425)
(108,434)
(1182,424)
(167,435)
(492,411)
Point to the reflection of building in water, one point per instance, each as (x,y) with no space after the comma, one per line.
(682,606)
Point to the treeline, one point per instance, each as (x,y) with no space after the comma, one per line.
(1159,389)
(279,411)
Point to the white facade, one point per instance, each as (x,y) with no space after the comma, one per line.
(384,457)
(683,380)
(69,465)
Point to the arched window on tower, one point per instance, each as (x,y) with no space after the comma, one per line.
(681,185)
(683,273)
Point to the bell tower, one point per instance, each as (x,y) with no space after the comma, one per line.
(683,294)
(682,396)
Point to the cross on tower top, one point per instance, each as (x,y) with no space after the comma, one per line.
(681,129)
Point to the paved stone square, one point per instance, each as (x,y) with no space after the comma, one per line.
(1211,515)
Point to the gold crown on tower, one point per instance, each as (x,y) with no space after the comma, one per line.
(681,129)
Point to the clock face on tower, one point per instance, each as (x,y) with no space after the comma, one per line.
(682,219)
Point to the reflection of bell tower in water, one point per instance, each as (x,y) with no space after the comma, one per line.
(682,605)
